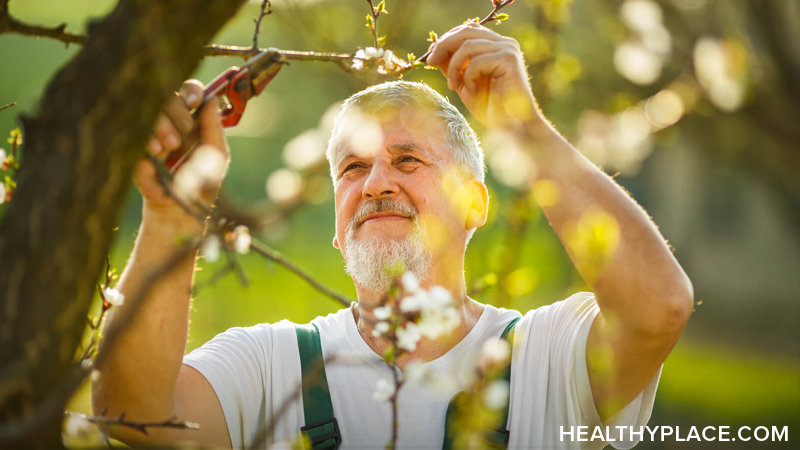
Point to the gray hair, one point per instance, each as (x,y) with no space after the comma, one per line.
(458,136)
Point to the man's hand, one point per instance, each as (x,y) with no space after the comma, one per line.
(487,71)
(173,125)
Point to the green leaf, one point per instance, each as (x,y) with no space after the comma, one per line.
(500,17)
(411,57)
(381,8)
(473,20)
(16,137)
(381,41)
(10,184)
(433,36)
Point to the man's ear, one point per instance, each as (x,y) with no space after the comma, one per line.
(479,206)
(336,243)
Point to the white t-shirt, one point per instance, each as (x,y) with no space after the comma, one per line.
(255,372)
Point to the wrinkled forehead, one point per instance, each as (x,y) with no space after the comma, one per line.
(361,132)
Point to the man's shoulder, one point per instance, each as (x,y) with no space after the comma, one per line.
(572,305)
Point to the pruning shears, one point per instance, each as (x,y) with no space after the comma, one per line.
(233,87)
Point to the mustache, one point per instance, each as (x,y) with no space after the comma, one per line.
(382,205)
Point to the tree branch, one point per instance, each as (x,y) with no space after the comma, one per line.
(489,18)
(276,256)
(9,24)
(12,430)
(8,106)
(138,426)
(266,9)
(81,148)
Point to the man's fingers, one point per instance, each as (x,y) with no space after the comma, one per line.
(192,93)
(462,57)
(452,40)
(166,133)
(154,145)
(486,65)
(178,113)
(211,131)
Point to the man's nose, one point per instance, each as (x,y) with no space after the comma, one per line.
(380,182)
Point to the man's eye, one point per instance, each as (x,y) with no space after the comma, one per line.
(352,166)
(408,159)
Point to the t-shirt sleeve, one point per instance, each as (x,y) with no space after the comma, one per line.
(234,364)
(572,323)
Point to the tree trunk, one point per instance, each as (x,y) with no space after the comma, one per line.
(92,126)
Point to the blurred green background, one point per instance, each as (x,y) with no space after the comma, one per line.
(691,102)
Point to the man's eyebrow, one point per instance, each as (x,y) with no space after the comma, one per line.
(404,147)
(411,147)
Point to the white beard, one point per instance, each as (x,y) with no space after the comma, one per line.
(368,262)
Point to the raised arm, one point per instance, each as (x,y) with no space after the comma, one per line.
(143,376)
(645,297)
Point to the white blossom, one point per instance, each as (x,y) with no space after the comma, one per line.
(439,316)
(416,371)
(358,64)
(382,327)
(412,303)
(360,54)
(2,192)
(114,297)
(384,390)
(410,282)
(437,323)
(206,166)
(210,248)
(382,312)
(388,60)
(408,336)
(496,394)
(75,426)
(495,353)
(373,52)
(241,239)
(3,155)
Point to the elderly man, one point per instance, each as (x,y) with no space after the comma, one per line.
(414,196)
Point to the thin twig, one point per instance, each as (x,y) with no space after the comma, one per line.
(9,24)
(276,256)
(8,106)
(266,9)
(374,28)
(257,247)
(138,426)
(486,19)
(165,178)
(398,383)
(237,268)
(212,280)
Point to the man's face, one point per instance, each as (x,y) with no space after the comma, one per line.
(396,188)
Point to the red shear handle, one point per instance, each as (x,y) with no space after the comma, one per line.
(233,88)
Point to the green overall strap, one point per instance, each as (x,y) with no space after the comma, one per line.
(321,426)
(495,438)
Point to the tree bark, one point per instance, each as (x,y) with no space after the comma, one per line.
(92,126)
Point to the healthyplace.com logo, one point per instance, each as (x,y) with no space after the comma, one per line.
(663,433)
